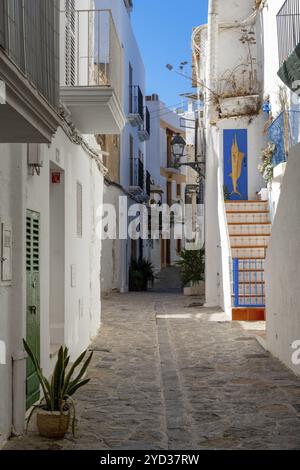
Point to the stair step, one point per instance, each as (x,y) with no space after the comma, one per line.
(248,218)
(248,253)
(249,235)
(246,212)
(248,314)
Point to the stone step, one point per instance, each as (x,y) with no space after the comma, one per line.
(248,314)
(247,206)
(249,241)
(248,217)
(249,253)
(249,229)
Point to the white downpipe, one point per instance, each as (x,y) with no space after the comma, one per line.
(212,232)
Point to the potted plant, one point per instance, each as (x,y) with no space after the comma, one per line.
(240,95)
(192,267)
(141,273)
(54,410)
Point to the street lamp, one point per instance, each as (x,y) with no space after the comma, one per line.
(178,145)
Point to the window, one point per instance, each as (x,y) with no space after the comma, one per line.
(79,210)
(169,149)
(130,89)
(169,193)
(131,159)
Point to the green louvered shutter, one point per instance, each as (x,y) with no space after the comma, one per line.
(33,302)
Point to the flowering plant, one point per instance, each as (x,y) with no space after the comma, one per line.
(266,166)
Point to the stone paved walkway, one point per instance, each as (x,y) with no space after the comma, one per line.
(170,375)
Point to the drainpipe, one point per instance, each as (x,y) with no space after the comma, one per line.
(212,231)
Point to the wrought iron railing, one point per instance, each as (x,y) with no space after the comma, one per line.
(137,176)
(147,121)
(288,28)
(248,283)
(92,50)
(29,35)
(148,183)
(284,132)
(136,104)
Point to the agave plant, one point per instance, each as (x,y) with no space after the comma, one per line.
(59,389)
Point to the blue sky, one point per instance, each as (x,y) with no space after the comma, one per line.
(163,30)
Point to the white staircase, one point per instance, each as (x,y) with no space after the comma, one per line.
(249,229)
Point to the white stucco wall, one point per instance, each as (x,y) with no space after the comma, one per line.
(82,307)
(225,52)
(132,55)
(283,268)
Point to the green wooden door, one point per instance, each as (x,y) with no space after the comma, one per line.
(33,302)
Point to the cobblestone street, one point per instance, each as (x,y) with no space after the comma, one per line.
(168,374)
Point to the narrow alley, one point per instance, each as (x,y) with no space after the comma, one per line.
(170,374)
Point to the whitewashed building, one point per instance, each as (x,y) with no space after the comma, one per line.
(126,164)
(171,183)
(252,243)
(51,185)
(282,35)
(232,88)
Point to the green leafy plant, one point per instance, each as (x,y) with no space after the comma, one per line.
(226,193)
(192,266)
(60,388)
(141,272)
(266,167)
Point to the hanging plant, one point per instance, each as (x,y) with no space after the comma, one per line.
(266,167)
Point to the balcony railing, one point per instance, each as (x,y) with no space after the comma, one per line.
(144,130)
(284,132)
(29,35)
(288,28)
(136,105)
(93,52)
(137,177)
(148,183)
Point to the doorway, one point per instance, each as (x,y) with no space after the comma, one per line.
(32,303)
(57,257)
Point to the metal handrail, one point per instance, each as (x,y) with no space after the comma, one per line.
(284,132)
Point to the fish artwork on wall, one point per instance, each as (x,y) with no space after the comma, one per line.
(236,163)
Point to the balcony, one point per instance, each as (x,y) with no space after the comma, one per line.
(148,183)
(93,68)
(288,29)
(136,106)
(144,131)
(284,132)
(29,69)
(138,181)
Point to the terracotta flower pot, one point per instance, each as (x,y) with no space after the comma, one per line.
(53,425)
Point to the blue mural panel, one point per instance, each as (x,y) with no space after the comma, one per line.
(236,163)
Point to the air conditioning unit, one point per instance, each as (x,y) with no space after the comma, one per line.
(34,159)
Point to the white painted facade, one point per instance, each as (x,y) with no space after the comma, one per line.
(70,306)
(67,196)
(164,121)
(282,309)
(223,33)
(117,254)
